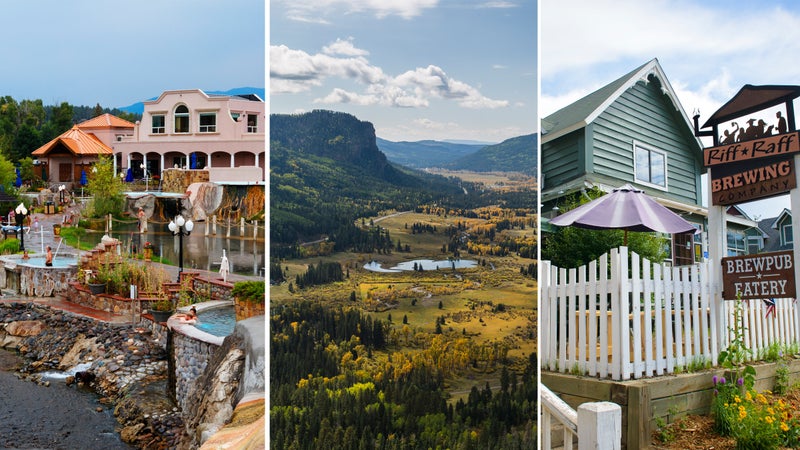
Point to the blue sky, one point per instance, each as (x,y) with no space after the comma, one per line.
(416,69)
(708,50)
(117,53)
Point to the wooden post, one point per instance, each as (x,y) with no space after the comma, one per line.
(214,224)
(228,232)
(599,426)
(207,225)
(241,226)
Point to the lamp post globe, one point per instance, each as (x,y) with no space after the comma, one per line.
(180,227)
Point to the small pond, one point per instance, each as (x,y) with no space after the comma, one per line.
(426,264)
(217,321)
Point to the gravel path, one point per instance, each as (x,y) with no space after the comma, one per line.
(55,417)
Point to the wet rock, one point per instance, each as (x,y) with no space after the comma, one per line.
(129,433)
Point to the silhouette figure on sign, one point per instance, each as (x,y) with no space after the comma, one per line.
(781,123)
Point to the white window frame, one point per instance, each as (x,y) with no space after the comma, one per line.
(636,147)
(207,128)
(787,238)
(187,115)
(158,130)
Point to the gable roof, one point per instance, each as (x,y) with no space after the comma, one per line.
(106,121)
(582,112)
(78,142)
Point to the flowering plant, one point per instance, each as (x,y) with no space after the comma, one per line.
(148,245)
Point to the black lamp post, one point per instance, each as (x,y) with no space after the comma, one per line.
(21,212)
(180,227)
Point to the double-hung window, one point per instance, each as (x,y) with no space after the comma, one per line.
(159,124)
(208,122)
(651,166)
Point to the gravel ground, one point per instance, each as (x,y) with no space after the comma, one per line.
(55,417)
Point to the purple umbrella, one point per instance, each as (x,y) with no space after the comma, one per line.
(626,208)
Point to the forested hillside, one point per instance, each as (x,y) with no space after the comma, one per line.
(326,170)
(512,155)
(345,400)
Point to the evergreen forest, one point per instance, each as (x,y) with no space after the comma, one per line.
(327,391)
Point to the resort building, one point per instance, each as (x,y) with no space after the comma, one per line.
(187,129)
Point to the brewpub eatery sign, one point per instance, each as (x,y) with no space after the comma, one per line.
(752,158)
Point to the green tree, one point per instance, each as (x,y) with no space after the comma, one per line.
(7,174)
(106,188)
(26,170)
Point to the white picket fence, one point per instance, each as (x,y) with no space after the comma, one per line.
(624,317)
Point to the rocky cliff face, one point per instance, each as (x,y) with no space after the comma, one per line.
(335,135)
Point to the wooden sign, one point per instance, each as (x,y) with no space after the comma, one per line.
(782,144)
(761,276)
(743,182)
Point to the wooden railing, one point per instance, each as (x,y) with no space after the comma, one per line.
(595,426)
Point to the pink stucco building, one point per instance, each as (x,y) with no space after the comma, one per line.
(191,129)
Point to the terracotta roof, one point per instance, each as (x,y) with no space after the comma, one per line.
(106,121)
(76,141)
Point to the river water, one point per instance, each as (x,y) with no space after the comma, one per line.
(55,417)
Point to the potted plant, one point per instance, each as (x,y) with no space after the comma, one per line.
(162,309)
(148,251)
(96,280)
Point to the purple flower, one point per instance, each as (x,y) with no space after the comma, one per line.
(722,380)
(716,392)
(740,382)
(714,380)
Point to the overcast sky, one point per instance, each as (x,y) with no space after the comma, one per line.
(117,53)
(416,69)
(708,50)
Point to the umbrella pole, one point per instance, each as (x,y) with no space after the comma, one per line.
(625,239)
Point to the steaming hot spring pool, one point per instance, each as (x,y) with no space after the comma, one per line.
(217,321)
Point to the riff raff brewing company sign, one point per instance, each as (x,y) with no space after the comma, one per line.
(746,171)
(766,275)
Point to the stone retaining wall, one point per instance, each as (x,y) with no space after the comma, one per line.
(192,349)
(79,294)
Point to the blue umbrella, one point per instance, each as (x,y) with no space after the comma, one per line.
(18,183)
(193,161)
(84,181)
(129,176)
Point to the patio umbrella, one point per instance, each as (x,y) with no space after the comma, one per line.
(224,267)
(193,161)
(18,183)
(129,176)
(626,208)
(84,181)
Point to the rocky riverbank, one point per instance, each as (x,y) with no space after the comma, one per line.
(126,365)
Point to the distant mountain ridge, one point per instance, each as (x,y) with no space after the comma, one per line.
(138,108)
(517,154)
(427,153)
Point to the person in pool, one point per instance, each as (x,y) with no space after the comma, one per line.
(48,260)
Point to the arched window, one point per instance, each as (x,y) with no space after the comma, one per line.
(182,119)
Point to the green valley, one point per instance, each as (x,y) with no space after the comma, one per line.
(364,355)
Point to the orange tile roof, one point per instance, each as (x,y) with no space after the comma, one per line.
(106,121)
(78,142)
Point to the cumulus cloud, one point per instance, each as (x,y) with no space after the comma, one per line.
(344,47)
(293,71)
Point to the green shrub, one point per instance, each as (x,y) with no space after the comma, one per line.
(9,246)
(250,291)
